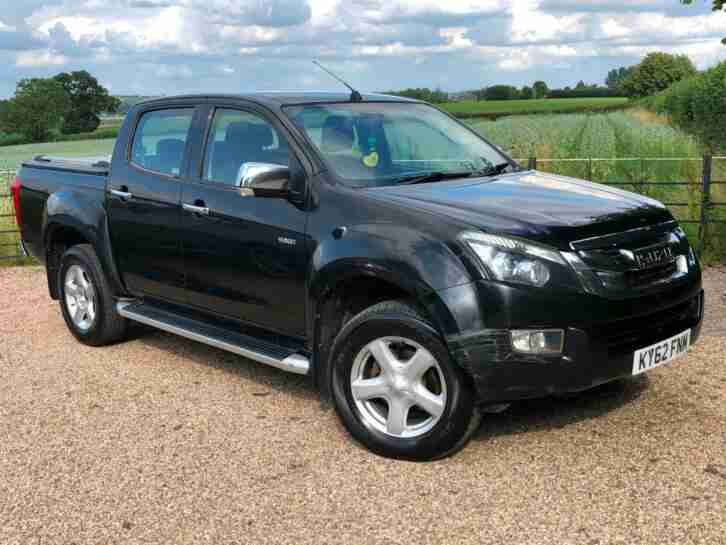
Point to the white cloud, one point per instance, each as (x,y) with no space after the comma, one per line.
(212,44)
(33,59)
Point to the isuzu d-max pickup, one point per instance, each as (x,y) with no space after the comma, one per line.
(415,272)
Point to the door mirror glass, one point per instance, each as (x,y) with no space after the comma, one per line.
(264,179)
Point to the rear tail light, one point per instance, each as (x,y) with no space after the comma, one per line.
(15,191)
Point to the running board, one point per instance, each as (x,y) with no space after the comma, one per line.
(242,345)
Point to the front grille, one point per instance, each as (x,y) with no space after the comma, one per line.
(627,264)
(628,335)
(646,277)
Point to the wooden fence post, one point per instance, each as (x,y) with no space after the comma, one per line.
(532,163)
(705,203)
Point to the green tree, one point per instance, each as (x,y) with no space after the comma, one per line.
(616,76)
(422,93)
(87,99)
(698,106)
(718,5)
(526,93)
(656,72)
(501,92)
(540,89)
(37,107)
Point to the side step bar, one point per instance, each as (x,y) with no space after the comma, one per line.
(239,344)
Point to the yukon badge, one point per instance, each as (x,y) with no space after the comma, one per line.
(287,241)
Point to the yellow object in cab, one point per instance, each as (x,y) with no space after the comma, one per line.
(371,160)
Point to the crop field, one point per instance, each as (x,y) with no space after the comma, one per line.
(647,149)
(485,108)
(607,135)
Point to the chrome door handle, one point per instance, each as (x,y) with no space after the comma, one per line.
(201,210)
(124,195)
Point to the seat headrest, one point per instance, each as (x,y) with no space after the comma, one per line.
(260,134)
(170,147)
(237,132)
(337,134)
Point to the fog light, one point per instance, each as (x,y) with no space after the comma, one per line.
(538,341)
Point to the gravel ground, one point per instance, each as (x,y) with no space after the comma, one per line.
(162,440)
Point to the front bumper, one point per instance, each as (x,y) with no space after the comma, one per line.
(601,337)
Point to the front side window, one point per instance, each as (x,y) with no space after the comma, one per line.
(237,138)
(160,139)
(374,144)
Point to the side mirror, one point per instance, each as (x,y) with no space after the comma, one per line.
(264,180)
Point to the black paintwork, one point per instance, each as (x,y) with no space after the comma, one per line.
(230,268)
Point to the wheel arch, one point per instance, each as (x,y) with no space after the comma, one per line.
(72,218)
(338,296)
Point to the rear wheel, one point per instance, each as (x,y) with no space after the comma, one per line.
(396,388)
(86,300)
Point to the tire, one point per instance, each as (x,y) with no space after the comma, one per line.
(388,364)
(87,304)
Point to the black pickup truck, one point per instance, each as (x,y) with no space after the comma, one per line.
(413,270)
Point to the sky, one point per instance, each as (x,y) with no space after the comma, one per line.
(152,47)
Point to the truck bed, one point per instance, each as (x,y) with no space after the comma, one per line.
(44,176)
(98,166)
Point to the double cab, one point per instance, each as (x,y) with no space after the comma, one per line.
(413,270)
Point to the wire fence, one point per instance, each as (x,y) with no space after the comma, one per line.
(694,188)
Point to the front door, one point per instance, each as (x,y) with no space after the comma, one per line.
(245,256)
(144,206)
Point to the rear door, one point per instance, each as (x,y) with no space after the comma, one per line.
(144,207)
(246,257)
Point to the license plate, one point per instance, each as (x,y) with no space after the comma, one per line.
(661,353)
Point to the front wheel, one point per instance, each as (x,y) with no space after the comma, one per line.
(395,387)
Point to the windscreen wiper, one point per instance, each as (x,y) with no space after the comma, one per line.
(433,176)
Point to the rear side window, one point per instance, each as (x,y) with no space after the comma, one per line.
(160,139)
(238,137)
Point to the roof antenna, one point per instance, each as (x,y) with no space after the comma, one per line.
(354,95)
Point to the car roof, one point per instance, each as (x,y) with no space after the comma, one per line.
(283,98)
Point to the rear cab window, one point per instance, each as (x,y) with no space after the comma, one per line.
(160,140)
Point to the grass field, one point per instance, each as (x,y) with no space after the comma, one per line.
(12,156)
(486,108)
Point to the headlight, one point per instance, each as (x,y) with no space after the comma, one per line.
(521,262)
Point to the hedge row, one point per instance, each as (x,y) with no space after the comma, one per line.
(99,134)
(697,105)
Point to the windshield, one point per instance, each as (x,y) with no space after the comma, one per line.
(377,144)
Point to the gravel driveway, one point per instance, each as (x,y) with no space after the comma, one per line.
(162,440)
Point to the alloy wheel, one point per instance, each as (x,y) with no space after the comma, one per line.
(80,297)
(398,387)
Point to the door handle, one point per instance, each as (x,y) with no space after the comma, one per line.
(123,195)
(194,209)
